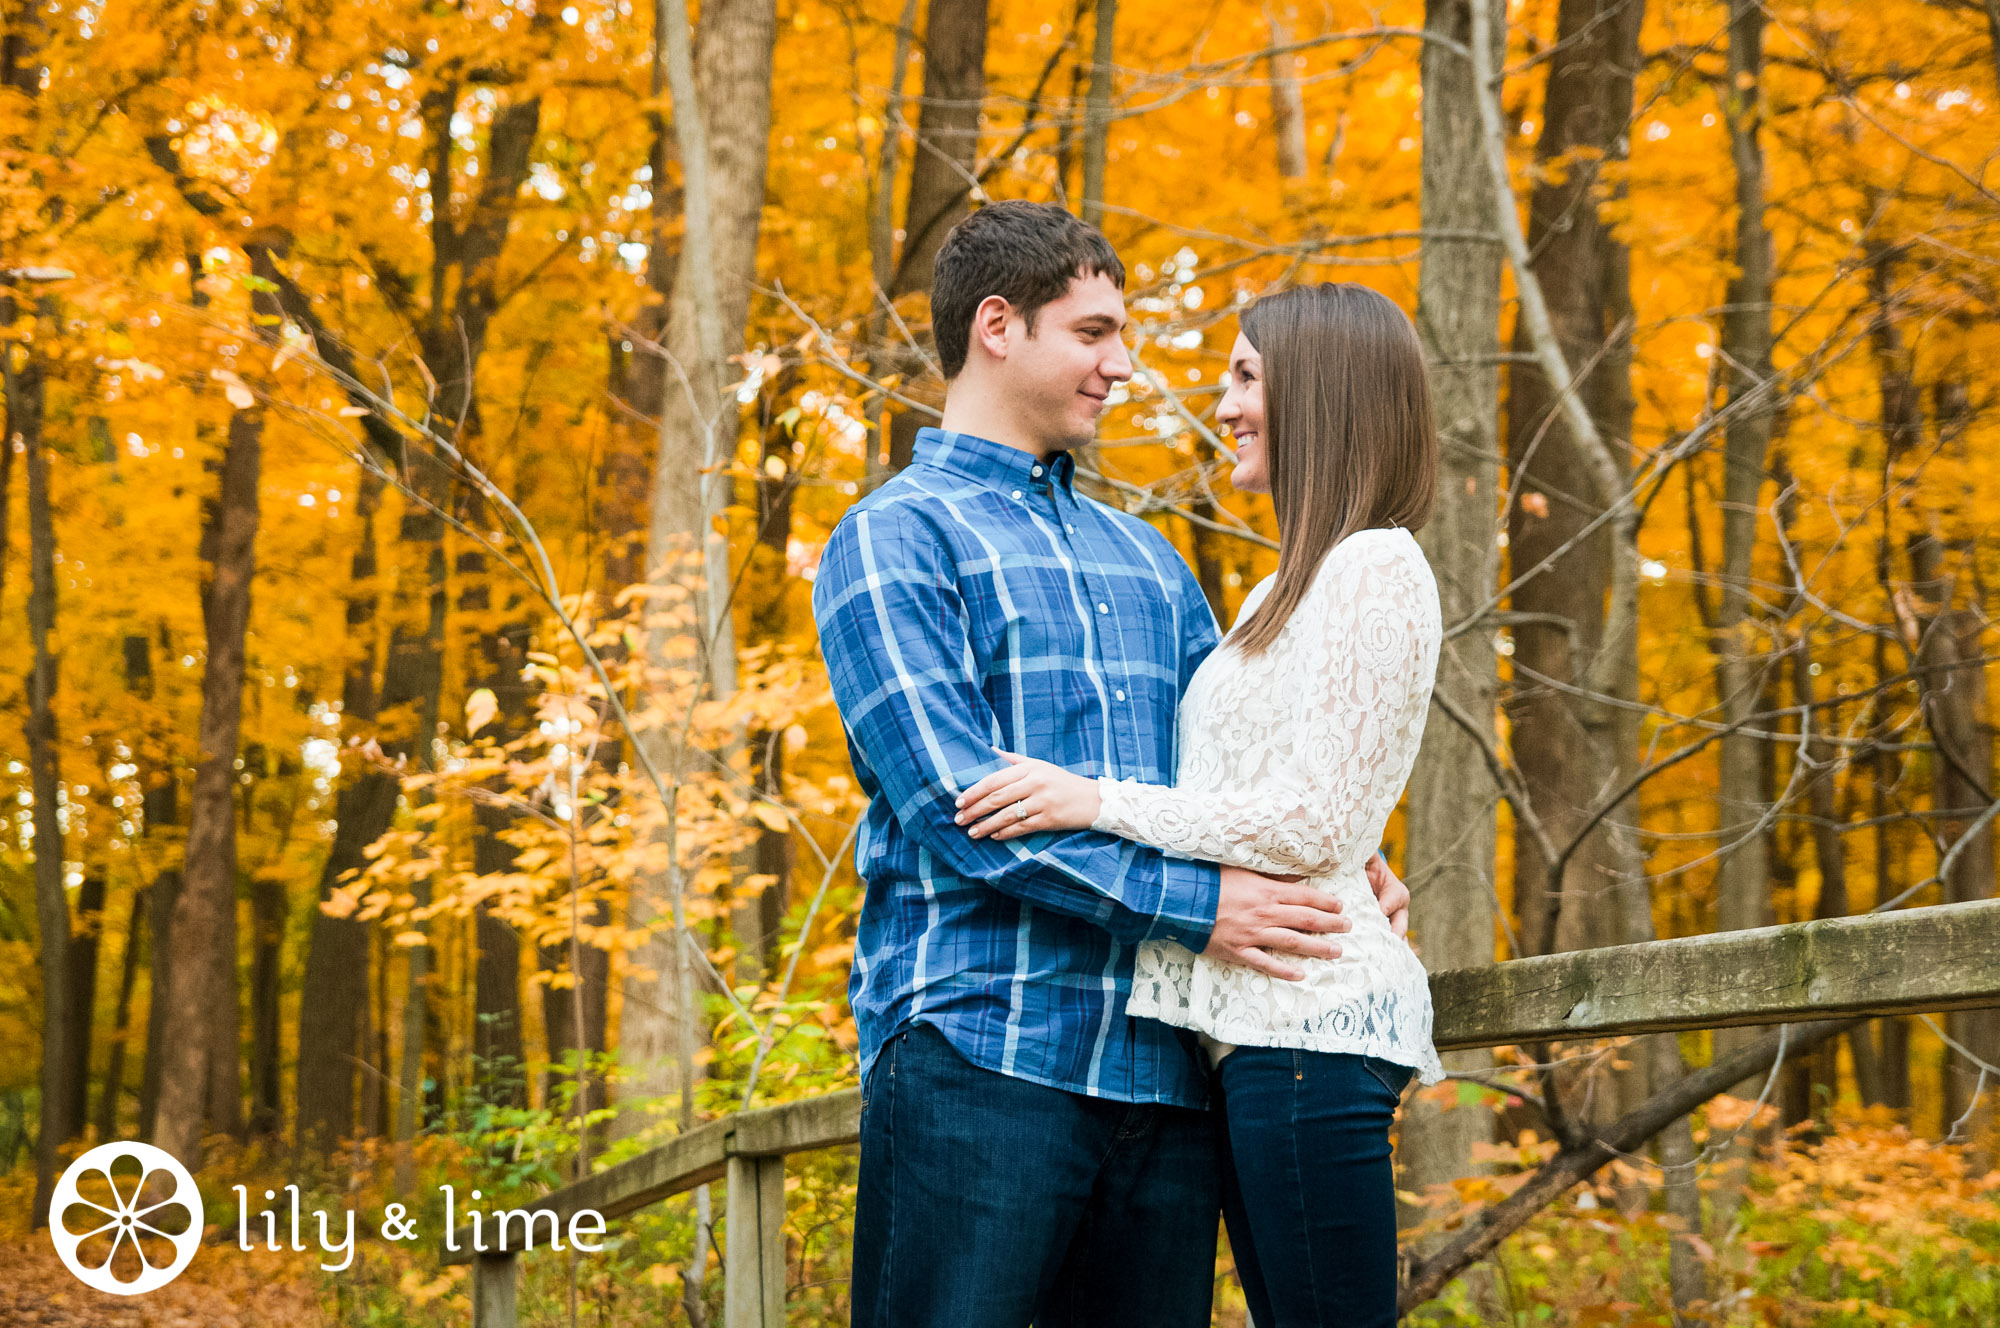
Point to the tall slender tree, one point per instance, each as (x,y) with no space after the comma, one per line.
(83,949)
(1288,98)
(1567,746)
(268,908)
(1453,801)
(62,1114)
(23,376)
(110,1096)
(1572,715)
(1097,109)
(722,106)
(1951,678)
(201,1074)
(943,170)
(1743,888)
(890,434)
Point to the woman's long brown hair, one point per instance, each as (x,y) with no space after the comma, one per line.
(1348,438)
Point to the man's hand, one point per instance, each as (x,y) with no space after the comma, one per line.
(1260,918)
(1390,893)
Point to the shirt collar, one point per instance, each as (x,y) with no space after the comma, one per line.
(995,465)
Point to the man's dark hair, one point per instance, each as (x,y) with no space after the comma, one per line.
(1026,253)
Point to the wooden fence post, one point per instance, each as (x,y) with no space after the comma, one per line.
(755,1265)
(493,1291)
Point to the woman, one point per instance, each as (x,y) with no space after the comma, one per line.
(1296,738)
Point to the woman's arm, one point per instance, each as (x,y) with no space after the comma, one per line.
(1371,651)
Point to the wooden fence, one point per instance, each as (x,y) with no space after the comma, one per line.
(1919,961)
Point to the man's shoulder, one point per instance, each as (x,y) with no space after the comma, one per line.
(894,503)
(916,496)
(899,525)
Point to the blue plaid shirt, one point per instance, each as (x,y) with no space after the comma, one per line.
(976,602)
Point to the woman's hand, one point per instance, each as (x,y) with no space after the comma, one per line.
(1028,797)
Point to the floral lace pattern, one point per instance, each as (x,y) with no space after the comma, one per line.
(1290,763)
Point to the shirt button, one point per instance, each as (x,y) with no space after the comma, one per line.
(1120,695)
(1036,472)
(1104,608)
(1017,493)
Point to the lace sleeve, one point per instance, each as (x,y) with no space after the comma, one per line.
(1358,659)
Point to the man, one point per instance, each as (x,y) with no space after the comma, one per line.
(1029,1152)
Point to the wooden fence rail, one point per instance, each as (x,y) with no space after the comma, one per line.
(1922,960)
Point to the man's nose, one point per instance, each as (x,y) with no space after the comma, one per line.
(1117,365)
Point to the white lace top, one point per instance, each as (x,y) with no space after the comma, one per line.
(1290,763)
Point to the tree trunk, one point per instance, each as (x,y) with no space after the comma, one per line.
(1892,862)
(1902,427)
(580,1007)
(1743,876)
(1096,108)
(201,990)
(375,1081)
(1743,879)
(1961,721)
(333,997)
(83,984)
(1566,747)
(1993,33)
(425,648)
(947,154)
(108,1097)
(884,358)
(62,1115)
(1951,678)
(723,123)
(6,490)
(496,1035)
(1830,856)
(152,911)
(267,922)
(159,969)
(1452,801)
(774,594)
(1288,101)
(1573,751)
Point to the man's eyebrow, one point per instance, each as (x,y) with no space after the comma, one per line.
(1102,320)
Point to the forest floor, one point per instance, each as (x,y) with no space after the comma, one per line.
(38,1292)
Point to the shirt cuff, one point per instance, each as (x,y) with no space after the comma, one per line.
(1189,895)
(1110,805)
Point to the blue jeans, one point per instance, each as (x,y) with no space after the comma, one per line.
(990,1202)
(1307,1189)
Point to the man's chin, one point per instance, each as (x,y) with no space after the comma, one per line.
(1081,432)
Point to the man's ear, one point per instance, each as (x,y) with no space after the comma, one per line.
(989,325)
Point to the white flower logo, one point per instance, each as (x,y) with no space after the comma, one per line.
(129,1233)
